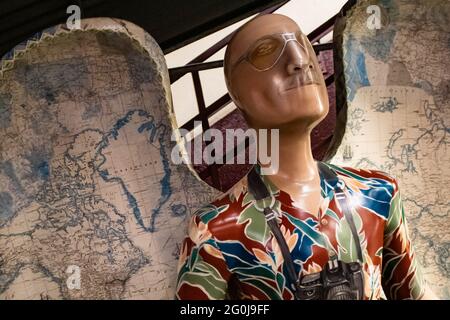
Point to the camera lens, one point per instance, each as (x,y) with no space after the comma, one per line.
(309,293)
(340,292)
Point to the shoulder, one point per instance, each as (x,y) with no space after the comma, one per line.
(375,189)
(223,213)
(371,178)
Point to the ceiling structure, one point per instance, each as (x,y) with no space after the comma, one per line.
(173,23)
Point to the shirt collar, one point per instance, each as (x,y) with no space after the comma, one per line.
(329,181)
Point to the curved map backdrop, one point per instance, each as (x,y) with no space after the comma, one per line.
(397,108)
(91,205)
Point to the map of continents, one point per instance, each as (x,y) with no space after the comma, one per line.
(87,186)
(397,118)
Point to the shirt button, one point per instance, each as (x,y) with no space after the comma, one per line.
(324,221)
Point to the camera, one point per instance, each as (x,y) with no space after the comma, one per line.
(337,281)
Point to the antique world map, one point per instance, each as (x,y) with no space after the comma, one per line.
(91,205)
(398,92)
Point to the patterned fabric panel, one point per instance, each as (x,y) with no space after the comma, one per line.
(230,247)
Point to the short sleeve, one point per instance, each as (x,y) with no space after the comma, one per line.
(401,276)
(202,270)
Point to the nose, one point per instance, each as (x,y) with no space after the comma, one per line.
(296,59)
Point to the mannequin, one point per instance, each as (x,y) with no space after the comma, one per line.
(270,99)
(273,76)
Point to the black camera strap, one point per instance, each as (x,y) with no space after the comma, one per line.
(330,175)
(260,192)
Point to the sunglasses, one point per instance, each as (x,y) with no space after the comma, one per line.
(264,54)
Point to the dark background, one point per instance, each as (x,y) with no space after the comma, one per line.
(173,23)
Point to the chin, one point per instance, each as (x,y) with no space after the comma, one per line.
(302,117)
(304,108)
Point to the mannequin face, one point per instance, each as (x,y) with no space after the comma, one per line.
(288,92)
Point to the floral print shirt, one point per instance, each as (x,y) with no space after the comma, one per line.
(229,247)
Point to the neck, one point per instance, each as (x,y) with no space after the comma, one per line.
(296,162)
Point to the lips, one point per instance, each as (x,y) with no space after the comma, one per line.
(300,80)
(294,83)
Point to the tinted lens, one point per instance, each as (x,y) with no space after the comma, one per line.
(303,42)
(301,38)
(265,52)
(314,72)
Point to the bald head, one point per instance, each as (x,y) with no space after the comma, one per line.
(281,85)
(251,31)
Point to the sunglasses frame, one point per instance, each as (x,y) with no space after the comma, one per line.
(286,36)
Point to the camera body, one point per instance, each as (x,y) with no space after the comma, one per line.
(337,281)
